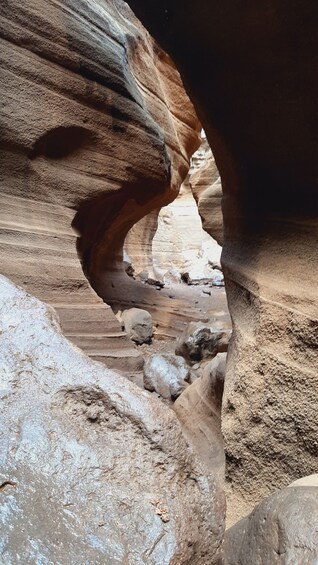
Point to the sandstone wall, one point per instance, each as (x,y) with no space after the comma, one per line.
(96,132)
(206,187)
(173,237)
(251,72)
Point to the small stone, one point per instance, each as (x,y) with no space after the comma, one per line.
(166,374)
(201,341)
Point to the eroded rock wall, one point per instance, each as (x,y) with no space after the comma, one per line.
(251,72)
(206,187)
(173,238)
(96,130)
(171,241)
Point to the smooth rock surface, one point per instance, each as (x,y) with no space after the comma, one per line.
(281,530)
(172,237)
(92,138)
(93,470)
(166,374)
(199,411)
(201,341)
(138,325)
(310,481)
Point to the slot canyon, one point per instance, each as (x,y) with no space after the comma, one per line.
(158,283)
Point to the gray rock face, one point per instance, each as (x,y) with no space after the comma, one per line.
(138,324)
(282,530)
(93,470)
(200,341)
(166,374)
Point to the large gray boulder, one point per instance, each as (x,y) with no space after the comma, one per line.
(93,470)
(138,325)
(166,374)
(201,341)
(281,530)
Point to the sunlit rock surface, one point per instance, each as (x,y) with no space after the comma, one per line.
(173,238)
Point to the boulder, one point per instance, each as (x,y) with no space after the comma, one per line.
(166,374)
(93,469)
(138,325)
(200,341)
(217,278)
(309,481)
(281,530)
(172,276)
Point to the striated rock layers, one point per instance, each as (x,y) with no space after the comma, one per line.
(93,470)
(206,187)
(96,131)
(250,69)
(171,241)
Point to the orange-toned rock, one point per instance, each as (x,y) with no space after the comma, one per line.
(96,131)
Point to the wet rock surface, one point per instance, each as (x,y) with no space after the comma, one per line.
(281,530)
(92,468)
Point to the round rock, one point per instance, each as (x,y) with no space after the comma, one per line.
(166,374)
(138,325)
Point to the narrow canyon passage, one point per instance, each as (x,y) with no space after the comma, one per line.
(144,405)
(97,132)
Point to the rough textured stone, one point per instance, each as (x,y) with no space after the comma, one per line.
(138,324)
(200,341)
(93,470)
(251,71)
(281,530)
(201,273)
(166,374)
